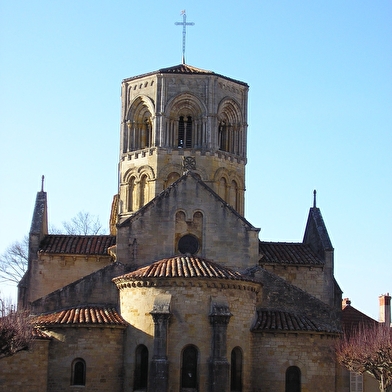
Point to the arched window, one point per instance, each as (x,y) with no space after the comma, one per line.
(234,195)
(223,139)
(172,177)
(185,129)
(236,370)
(189,368)
(138,132)
(141,368)
(222,188)
(143,199)
(146,133)
(131,194)
(293,379)
(78,372)
(188,132)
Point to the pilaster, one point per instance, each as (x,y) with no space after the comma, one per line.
(159,366)
(219,365)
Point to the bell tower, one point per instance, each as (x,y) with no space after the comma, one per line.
(178,119)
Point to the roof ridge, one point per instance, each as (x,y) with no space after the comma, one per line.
(184,266)
(82,314)
(184,69)
(272,319)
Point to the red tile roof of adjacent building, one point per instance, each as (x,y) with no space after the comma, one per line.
(287,253)
(353,318)
(183,267)
(279,321)
(77,244)
(84,315)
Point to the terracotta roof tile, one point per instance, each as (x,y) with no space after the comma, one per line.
(183,267)
(287,253)
(353,318)
(184,69)
(280,321)
(77,244)
(86,315)
(38,334)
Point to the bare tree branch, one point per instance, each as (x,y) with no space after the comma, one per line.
(368,349)
(13,262)
(83,224)
(16,330)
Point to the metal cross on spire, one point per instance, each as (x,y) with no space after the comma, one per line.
(184,23)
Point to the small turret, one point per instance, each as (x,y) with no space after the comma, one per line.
(38,230)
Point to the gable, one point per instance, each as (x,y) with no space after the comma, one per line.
(189,207)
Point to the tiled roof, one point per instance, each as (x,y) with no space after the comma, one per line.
(38,334)
(287,253)
(184,69)
(85,315)
(279,321)
(183,267)
(353,318)
(77,244)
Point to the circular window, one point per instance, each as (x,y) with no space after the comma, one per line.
(188,244)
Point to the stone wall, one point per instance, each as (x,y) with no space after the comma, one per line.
(309,279)
(101,349)
(313,354)
(276,293)
(65,268)
(26,370)
(189,323)
(96,288)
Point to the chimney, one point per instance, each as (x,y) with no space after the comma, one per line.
(385,309)
(345,302)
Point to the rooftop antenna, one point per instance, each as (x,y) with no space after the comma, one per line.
(184,23)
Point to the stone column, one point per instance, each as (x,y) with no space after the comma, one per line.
(159,366)
(219,365)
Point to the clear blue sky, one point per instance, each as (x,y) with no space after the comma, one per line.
(320,112)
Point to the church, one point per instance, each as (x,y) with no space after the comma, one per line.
(183,295)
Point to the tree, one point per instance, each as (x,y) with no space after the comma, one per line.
(13,262)
(368,349)
(83,224)
(16,330)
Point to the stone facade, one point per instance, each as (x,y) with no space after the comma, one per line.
(183,296)
(66,268)
(28,370)
(274,354)
(190,308)
(180,118)
(100,348)
(154,231)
